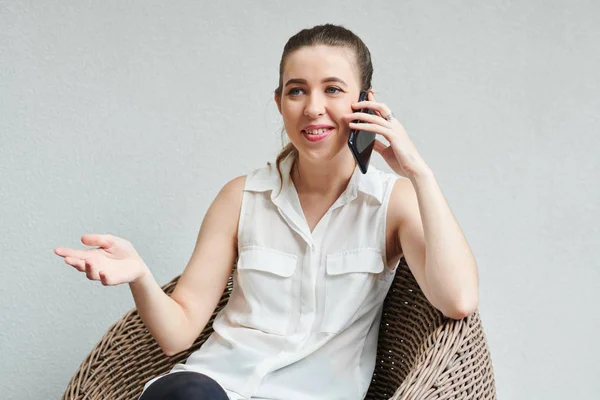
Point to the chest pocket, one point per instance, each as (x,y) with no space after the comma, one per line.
(355,283)
(266,277)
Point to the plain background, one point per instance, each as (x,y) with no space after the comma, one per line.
(128,117)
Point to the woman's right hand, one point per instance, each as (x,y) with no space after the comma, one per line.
(113,262)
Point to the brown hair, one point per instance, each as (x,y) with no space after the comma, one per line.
(328,35)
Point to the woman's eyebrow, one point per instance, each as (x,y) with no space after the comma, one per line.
(325,80)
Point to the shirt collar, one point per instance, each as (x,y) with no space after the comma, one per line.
(267,179)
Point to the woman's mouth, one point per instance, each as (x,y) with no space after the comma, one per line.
(316,135)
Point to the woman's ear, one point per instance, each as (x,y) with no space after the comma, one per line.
(277,99)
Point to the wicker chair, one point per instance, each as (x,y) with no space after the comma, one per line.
(421,354)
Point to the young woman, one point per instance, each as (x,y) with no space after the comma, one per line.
(316,243)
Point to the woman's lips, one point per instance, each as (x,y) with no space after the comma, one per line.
(317,137)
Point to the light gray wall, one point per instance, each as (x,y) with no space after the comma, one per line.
(127,118)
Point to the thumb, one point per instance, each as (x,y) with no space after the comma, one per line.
(92,239)
(379,147)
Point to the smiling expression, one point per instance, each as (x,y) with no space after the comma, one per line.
(319,84)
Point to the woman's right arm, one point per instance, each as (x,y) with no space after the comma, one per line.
(176,321)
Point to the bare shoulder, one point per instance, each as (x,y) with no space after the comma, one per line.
(233,189)
(229,197)
(225,208)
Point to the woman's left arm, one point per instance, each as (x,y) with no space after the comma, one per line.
(431,239)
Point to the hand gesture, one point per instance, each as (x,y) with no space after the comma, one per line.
(115,261)
(401,155)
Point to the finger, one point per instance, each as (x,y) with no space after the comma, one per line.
(90,272)
(371,95)
(381,108)
(66,252)
(379,147)
(383,131)
(374,119)
(93,239)
(76,263)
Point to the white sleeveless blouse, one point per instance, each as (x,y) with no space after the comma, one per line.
(303,318)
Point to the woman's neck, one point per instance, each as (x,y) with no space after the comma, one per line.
(324,178)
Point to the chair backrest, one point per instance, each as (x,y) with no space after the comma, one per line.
(127,357)
(421,354)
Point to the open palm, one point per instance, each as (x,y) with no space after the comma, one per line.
(113,262)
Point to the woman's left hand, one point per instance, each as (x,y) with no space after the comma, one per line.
(401,155)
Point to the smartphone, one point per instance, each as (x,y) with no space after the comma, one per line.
(361,142)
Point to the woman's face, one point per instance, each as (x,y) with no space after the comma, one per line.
(319,84)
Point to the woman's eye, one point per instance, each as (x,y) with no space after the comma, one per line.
(295,91)
(333,90)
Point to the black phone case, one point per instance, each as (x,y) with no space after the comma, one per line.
(361,142)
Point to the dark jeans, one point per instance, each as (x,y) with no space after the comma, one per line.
(186,385)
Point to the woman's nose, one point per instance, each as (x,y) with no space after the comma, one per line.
(315,107)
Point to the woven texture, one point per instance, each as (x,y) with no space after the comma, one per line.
(421,354)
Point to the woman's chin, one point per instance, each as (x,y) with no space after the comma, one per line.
(323,153)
